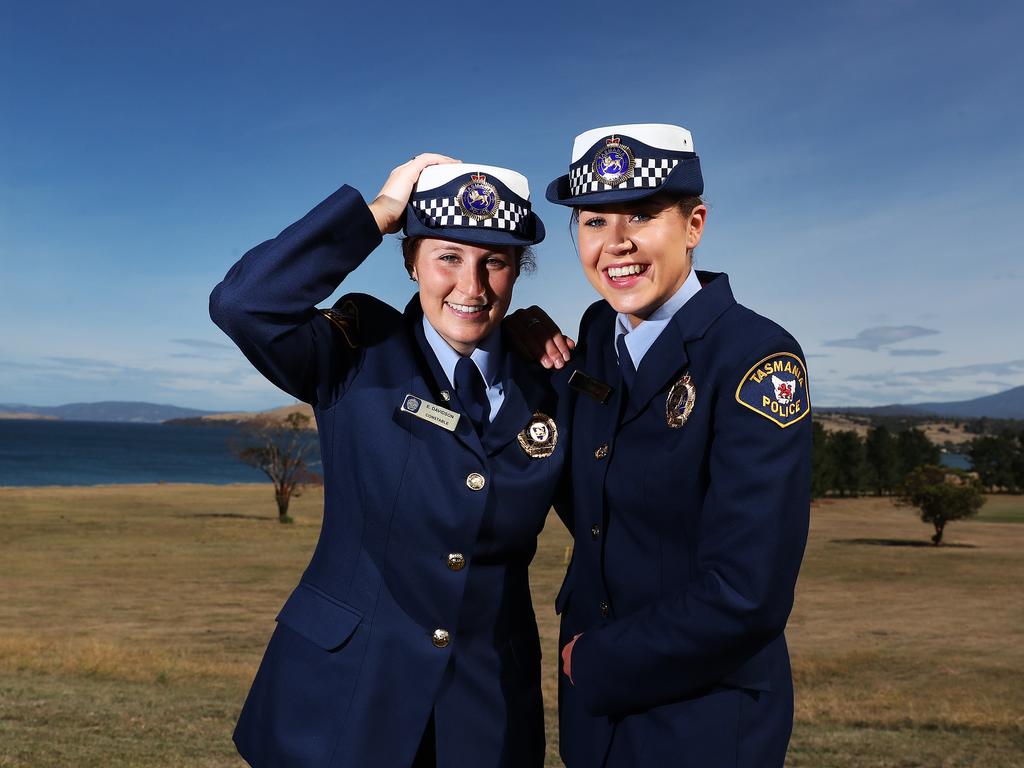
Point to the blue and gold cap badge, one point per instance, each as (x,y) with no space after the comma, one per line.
(613,164)
(776,388)
(478,198)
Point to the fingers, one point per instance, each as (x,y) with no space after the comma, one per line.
(389,205)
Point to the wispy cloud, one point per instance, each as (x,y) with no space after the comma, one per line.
(915,352)
(202,344)
(875,338)
(1007,369)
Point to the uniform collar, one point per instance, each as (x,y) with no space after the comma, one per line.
(640,338)
(487,355)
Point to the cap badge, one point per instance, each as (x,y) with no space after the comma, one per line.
(478,198)
(540,436)
(614,164)
(680,401)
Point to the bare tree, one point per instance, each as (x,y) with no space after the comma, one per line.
(281,449)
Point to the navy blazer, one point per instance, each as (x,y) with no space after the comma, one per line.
(355,666)
(688,541)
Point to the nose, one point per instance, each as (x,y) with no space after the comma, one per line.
(618,242)
(471,280)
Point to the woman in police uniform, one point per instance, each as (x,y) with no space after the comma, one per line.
(410,638)
(690,474)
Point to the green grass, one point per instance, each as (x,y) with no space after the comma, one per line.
(1002,509)
(134,617)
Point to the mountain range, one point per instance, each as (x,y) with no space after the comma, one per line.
(140,413)
(1003,405)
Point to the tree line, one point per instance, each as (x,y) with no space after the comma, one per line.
(846,464)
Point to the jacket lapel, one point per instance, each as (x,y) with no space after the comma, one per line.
(524,392)
(429,372)
(667,358)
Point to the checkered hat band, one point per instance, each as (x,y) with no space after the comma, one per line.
(647,172)
(446,212)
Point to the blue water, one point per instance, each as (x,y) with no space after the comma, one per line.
(89,453)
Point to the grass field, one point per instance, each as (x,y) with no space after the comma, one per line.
(134,617)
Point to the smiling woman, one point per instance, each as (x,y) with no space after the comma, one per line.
(690,443)
(410,639)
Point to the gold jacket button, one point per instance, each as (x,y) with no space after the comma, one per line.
(456,561)
(603,606)
(475,481)
(440,638)
(601,452)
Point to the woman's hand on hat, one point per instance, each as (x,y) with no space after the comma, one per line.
(536,337)
(389,205)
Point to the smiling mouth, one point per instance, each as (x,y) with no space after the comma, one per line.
(625,274)
(468,311)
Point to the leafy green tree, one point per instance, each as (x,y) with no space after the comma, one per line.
(281,449)
(996,458)
(942,495)
(823,469)
(880,454)
(1018,461)
(847,451)
(914,449)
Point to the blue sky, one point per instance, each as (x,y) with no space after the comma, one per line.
(862,163)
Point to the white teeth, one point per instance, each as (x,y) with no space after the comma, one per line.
(466,308)
(632,269)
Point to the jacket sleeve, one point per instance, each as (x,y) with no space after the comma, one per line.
(754,524)
(267,301)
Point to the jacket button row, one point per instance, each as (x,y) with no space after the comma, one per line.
(603,606)
(601,452)
(475,481)
(456,561)
(440,638)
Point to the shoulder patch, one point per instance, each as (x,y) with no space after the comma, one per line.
(776,388)
(346,320)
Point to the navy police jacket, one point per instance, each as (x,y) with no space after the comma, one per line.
(416,600)
(691,495)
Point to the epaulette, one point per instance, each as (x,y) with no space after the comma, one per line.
(346,319)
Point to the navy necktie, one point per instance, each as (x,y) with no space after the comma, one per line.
(625,361)
(469,385)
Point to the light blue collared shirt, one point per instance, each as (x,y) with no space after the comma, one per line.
(641,338)
(487,357)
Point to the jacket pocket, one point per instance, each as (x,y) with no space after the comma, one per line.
(318,617)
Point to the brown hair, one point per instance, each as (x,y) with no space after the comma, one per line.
(525,260)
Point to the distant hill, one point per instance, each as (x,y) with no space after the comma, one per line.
(140,413)
(1003,405)
(241,417)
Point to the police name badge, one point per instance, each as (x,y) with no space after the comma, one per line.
(427,411)
(478,198)
(540,436)
(680,401)
(614,163)
(776,388)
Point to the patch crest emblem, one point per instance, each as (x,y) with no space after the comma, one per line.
(776,388)
(540,436)
(478,198)
(680,401)
(614,163)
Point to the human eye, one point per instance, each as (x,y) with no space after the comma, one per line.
(496,262)
(641,217)
(450,258)
(593,221)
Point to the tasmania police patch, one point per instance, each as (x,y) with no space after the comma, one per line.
(776,388)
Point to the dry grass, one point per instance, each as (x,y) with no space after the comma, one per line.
(134,617)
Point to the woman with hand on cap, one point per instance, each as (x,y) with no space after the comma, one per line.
(410,639)
(690,473)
